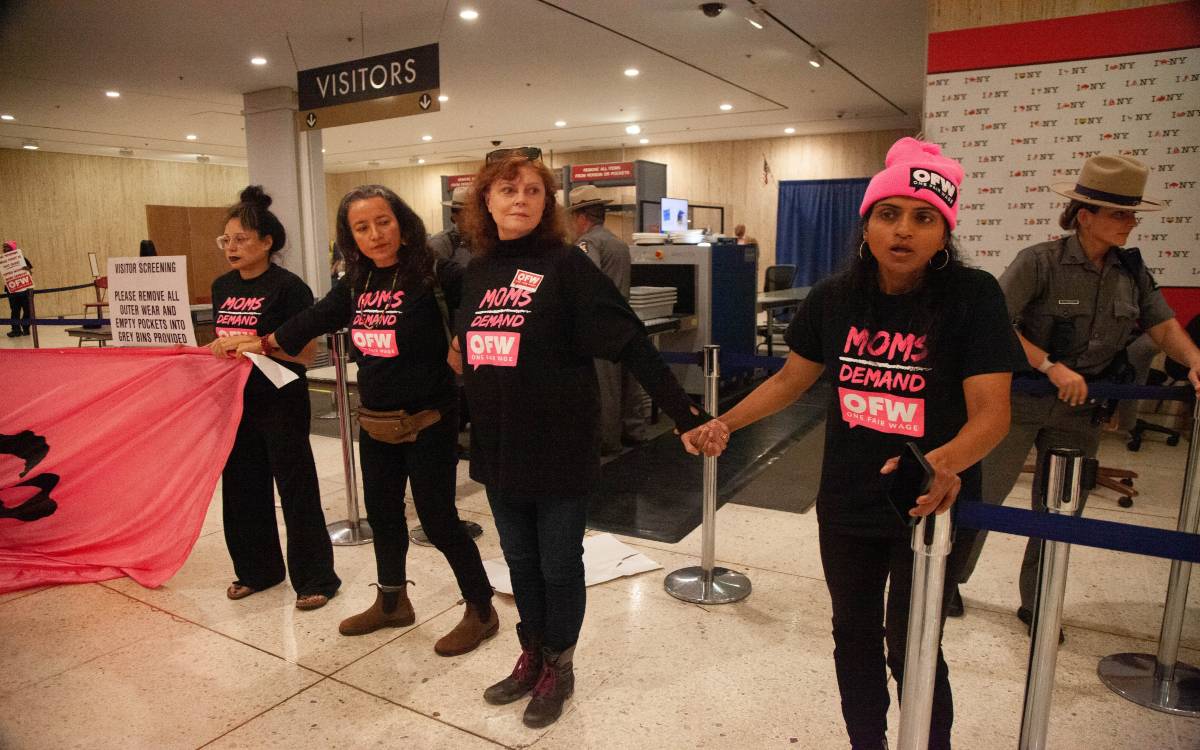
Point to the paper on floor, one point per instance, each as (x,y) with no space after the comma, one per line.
(604,559)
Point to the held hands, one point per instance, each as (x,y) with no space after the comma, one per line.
(253,346)
(228,347)
(454,356)
(710,438)
(943,490)
(1072,388)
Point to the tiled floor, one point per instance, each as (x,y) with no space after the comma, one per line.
(114,665)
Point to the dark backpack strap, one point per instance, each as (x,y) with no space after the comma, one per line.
(440,296)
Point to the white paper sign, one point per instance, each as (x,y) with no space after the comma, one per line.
(148,301)
(275,372)
(13,268)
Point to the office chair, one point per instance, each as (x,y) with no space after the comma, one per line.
(777,277)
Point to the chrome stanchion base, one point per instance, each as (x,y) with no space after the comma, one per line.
(327,415)
(346,534)
(1132,676)
(689,584)
(417,535)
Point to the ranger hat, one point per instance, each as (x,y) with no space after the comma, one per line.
(1110,181)
(458,198)
(586,195)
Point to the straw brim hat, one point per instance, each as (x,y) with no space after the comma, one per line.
(1112,182)
(586,195)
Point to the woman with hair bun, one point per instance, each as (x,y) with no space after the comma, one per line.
(271,447)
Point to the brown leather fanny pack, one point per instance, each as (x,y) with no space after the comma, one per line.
(396,426)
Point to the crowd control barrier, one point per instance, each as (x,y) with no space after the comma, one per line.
(931,545)
(353,530)
(708,584)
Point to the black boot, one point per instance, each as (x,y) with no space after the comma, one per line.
(524,675)
(554,686)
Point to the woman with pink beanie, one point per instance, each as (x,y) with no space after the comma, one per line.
(915,347)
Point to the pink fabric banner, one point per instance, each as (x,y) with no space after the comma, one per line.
(109,459)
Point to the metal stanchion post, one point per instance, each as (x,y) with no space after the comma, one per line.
(930,544)
(1161,681)
(709,584)
(1062,493)
(353,530)
(33,318)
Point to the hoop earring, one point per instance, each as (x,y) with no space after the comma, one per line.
(945,262)
(863,246)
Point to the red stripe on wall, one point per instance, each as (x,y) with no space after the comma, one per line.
(1122,32)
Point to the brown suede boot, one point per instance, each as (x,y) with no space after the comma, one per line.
(390,610)
(524,675)
(555,684)
(477,626)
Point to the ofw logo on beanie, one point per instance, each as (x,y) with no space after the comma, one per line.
(935,182)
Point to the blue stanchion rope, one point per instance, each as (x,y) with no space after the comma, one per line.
(1089,532)
(56,289)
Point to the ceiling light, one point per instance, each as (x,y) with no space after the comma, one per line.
(112,94)
(258,61)
(754,23)
(420,161)
(789,131)
(644,141)
(815,58)
(560,123)
(632,72)
(322,151)
(468,14)
(30,145)
(427,138)
(190,136)
(726,107)
(633,129)
(7,118)
(443,98)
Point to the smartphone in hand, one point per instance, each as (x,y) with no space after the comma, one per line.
(911,479)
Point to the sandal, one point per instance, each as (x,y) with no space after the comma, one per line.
(239,591)
(311,601)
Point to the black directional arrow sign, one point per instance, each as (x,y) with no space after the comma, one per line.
(311,120)
(425,101)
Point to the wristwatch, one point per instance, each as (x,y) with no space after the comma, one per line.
(1046,365)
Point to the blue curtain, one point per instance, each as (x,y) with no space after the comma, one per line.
(817,221)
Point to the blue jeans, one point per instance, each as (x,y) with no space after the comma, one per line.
(542,539)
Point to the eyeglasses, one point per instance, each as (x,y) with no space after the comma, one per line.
(532,153)
(226,241)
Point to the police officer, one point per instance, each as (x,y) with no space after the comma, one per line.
(617,423)
(1074,302)
(451,244)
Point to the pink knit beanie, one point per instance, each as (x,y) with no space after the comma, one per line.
(916,169)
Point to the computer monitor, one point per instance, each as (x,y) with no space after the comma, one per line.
(674,215)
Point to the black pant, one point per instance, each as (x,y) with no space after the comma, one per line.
(542,539)
(272,444)
(856,570)
(18,303)
(428,464)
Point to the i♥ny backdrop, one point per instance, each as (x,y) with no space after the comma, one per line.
(1023,105)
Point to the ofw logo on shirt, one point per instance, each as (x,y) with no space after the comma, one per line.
(883,412)
(499,348)
(527,280)
(887,360)
(375,343)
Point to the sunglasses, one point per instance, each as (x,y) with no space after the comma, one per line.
(532,153)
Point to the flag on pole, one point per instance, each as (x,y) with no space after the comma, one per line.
(767,175)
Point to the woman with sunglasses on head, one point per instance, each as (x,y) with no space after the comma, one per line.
(1075,301)
(536,312)
(916,347)
(271,447)
(396,299)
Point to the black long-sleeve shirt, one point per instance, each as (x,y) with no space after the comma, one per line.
(530,324)
(396,336)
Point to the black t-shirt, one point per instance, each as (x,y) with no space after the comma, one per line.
(891,383)
(256,307)
(531,323)
(397,336)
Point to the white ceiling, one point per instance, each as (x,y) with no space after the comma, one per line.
(182,67)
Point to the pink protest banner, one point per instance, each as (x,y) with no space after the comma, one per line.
(108,460)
